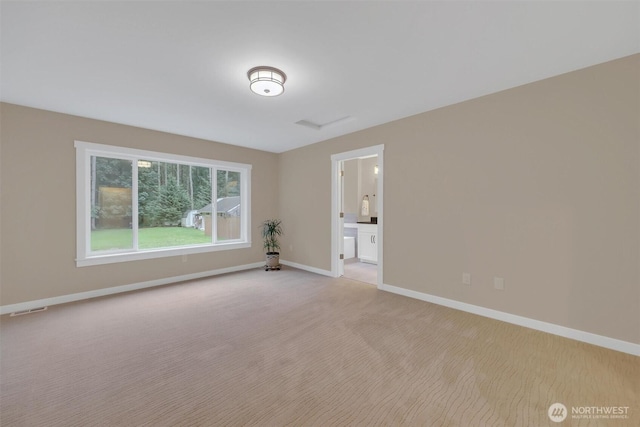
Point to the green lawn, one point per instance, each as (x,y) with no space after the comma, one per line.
(148,238)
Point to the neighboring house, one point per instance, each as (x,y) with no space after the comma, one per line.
(226,206)
(228,221)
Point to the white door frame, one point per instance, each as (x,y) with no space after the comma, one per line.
(337,231)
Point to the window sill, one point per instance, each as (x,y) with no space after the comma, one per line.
(157,253)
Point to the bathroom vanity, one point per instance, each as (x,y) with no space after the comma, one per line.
(368,242)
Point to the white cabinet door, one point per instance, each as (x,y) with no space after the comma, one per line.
(367,243)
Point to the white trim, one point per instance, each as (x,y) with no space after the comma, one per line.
(360,153)
(158,253)
(551,328)
(132,153)
(81,197)
(336,235)
(307,268)
(245,210)
(11,308)
(336,230)
(340,208)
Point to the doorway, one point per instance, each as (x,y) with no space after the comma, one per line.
(357,215)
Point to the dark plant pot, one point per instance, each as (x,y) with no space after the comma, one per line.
(273,259)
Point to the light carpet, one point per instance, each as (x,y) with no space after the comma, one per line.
(291,348)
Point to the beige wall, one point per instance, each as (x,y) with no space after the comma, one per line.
(38,223)
(539,184)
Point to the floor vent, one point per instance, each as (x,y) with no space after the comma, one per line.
(31,310)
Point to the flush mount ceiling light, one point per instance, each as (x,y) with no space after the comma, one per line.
(266,81)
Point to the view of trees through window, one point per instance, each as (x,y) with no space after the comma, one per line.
(174,204)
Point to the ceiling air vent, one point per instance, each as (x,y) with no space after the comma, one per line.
(318,126)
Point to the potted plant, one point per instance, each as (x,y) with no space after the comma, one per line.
(271,230)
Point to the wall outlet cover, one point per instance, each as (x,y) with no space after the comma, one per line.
(466,278)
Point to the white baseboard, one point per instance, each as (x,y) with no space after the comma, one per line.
(12,308)
(306,268)
(599,340)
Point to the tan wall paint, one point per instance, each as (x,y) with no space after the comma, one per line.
(38,223)
(539,184)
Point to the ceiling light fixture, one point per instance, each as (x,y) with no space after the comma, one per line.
(266,81)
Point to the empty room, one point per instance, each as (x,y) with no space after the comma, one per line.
(319,213)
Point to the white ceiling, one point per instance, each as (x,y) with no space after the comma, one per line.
(181,67)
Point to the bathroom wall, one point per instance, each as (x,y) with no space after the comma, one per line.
(368,183)
(360,180)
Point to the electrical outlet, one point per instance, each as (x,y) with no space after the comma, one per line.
(466,279)
(498,283)
(184,258)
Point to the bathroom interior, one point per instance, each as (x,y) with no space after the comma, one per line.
(360,219)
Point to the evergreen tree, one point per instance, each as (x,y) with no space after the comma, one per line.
(171,202)
(228,183)
(148,179)
(202,187)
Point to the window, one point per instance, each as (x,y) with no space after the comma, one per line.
(134,204)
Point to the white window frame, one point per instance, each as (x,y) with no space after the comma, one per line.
(84,255)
